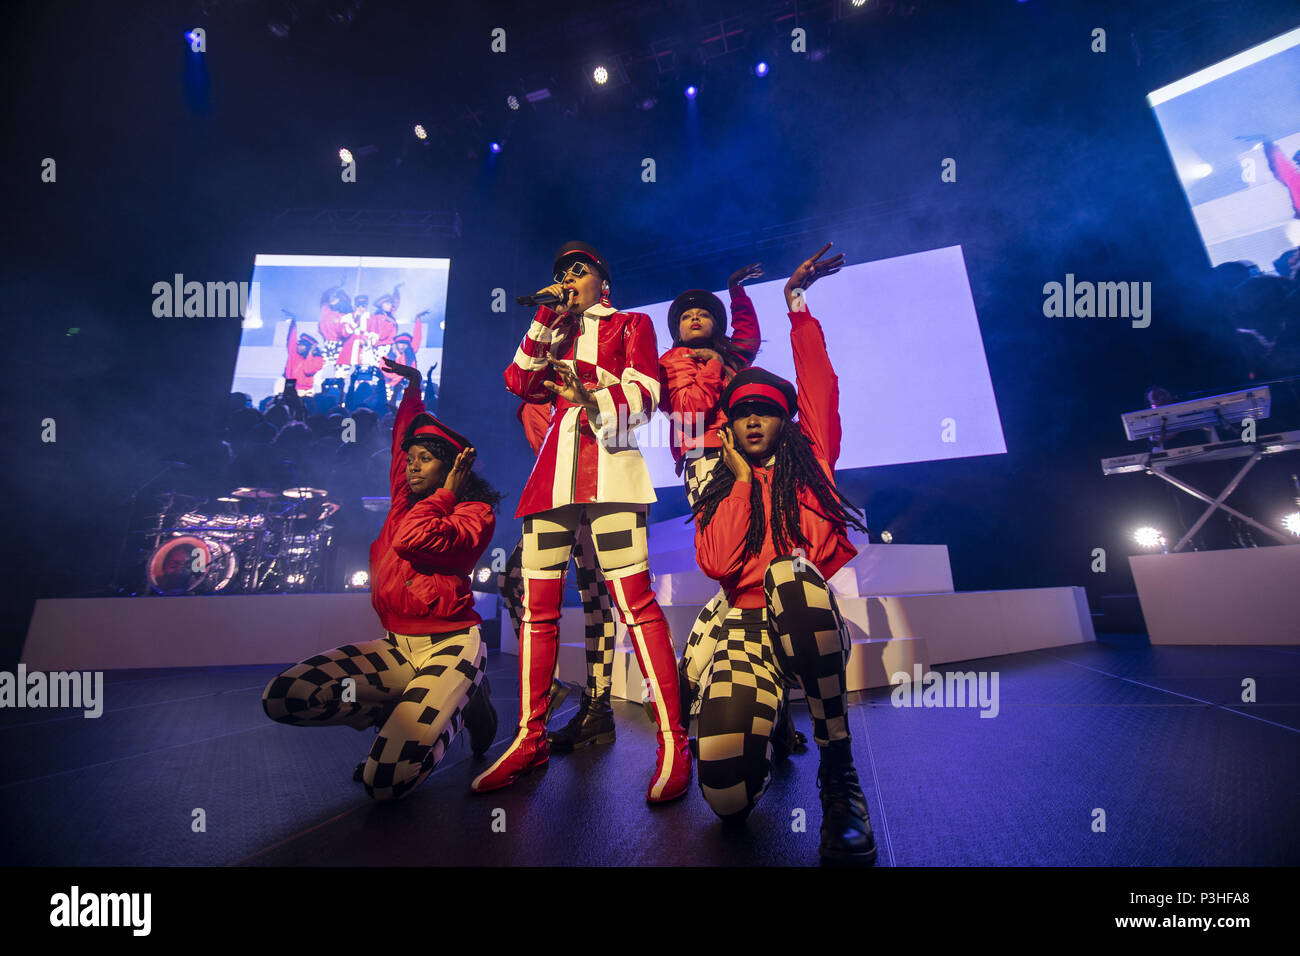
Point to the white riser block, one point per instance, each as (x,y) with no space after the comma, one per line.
(1234,596)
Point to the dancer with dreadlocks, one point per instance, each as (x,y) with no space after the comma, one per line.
(771,528)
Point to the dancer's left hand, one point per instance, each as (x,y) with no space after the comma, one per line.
(570,388)
(751,271)
(458,477)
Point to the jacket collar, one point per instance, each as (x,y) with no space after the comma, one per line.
(600,311)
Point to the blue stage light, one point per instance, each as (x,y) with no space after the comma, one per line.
(691,91)
(495,147)
(761,69)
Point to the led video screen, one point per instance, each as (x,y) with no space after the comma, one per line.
(327,321)
(1233,133)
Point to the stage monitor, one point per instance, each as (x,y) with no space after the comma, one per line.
(905,343)
(328,320)
(1233,133)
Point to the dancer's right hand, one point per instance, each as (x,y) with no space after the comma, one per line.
(557,289)
(737,463)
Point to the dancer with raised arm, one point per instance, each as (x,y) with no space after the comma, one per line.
(771,528)
(425,677)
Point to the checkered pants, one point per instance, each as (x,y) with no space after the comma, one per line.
(698,650)
(751,656)
(597,607)
(417,687)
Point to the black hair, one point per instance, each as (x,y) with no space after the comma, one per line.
(476,487)
(795,468)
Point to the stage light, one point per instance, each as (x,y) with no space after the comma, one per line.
(1200,170)
(512,102)
(1149,538)
(761,69)
(1292,523)
(886,537)
(345,155)
(359,579)
(421,132)
(484,574)
(858,3)
(600,75)
(649,103)
(691,91)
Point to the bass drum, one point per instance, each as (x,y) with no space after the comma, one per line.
(188,564)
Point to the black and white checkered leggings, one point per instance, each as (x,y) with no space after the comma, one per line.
(745,662)
(597,607)
(416,687)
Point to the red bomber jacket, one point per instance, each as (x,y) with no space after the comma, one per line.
(421,561)
(720,548)
(689,389)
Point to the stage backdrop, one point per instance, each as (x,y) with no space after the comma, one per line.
(905,342)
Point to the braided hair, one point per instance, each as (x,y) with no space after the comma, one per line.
(795,468)
(476,487)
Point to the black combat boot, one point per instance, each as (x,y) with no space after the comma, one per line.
(559,694)
(846,829)
(481,719)
(592,724)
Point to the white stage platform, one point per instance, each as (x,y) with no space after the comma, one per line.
(898,600)
(1235,596)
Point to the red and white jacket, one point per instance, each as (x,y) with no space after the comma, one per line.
(421,562)
(690,388)
(582,461)
(720,548)
(302,368)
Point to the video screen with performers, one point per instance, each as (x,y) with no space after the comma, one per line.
(1233,133)
(326,322)
(906,345)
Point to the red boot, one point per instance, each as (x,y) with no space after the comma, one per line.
(538,645)
(654,652)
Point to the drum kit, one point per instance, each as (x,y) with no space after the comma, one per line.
(253,540)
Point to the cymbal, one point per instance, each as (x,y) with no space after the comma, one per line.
(305,493)
(254,493)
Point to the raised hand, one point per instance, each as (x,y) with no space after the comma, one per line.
(752,271)
(458,477)
(408,372)
(736,463)
(810,270)
(570,388)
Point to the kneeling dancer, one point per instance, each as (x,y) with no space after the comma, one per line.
(771,529)
(426,675)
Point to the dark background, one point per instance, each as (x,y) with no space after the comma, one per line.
(173,162)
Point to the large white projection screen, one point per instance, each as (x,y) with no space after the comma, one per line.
(905,342)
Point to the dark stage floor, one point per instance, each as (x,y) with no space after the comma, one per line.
(1157,737)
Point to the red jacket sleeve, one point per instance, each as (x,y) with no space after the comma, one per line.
(819,388)
(417,337)
(412,405)
(311,365)
(536,419)
(1285,171)
(688,385)
(527,373)
(745,336)
(288,349)
(443,533)
(636,394)
(720,548)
